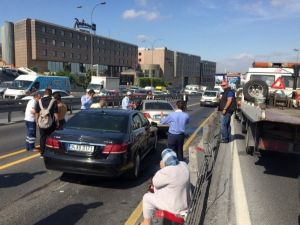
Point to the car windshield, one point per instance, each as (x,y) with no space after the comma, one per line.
(98,121)
(94,86)
(158,106)
(210,94)
(20,84)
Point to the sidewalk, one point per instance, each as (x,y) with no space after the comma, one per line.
(220,206)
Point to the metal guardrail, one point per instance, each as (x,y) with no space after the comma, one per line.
(9,106)
(205,154)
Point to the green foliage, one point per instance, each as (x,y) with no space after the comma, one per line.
(146,81)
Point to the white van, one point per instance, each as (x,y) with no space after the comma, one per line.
(24,85)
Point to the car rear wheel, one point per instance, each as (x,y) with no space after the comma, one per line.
(135,172)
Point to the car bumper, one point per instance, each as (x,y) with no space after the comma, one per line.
(209,103)
(85,166)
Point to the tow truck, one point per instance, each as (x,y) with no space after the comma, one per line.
(267,114)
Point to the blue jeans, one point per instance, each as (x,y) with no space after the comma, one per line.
(225,126)
(30,135)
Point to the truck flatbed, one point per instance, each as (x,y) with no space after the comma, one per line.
(272,114)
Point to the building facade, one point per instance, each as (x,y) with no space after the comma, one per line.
(176,68)
(51,48)
(207,74)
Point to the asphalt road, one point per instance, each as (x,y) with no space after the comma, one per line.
(266,193)
(32,195)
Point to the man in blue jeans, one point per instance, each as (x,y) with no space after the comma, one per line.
(227,107)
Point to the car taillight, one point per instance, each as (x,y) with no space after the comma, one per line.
(52,143)
(115,148)
(147,115)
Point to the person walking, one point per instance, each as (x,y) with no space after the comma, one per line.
(44,103)
(185,99)
(177,121)
(61,110)
(30,122)
(87,99)
(171,187)
(227,107)
(126,101)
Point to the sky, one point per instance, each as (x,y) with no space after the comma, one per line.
(233,33)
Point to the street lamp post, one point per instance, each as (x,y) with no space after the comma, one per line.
(100,3)
(297,50)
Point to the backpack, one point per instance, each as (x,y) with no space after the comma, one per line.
(45,119)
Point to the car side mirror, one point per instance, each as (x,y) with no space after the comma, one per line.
(153,124)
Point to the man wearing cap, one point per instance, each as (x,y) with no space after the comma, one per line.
(227,107)
(126,101)
(171,187)
(177,121)
(87,99)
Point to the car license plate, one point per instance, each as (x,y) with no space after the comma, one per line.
(80,148)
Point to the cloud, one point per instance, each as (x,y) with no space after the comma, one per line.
(143,37)
(133,14)
(141,2)
(241,62)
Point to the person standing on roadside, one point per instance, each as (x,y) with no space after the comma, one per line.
(185,99)
(227,107)
(30,122)
(53,111)
(177,121)
(126,101)
(87,99)
(62,110)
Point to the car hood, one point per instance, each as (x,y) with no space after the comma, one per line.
(96,137)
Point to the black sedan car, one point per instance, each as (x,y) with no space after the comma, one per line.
(102,142)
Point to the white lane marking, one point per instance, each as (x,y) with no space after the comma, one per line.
(240,200)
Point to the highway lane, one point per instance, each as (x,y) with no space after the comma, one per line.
(28,188)
(267,192)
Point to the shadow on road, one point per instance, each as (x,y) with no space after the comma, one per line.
(237,137)
(280,164)
(15,179)
(69,214)
(149,166)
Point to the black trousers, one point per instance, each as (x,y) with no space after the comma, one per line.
(175,142)
(44,133)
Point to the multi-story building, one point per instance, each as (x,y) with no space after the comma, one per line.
(176,68)
(50,48)
(207,74)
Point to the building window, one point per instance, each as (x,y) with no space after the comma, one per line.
(71,45)
(78,37)
(62,55)
(44,40)
(98,41)
(86,57)
(140,53)
(140,60)
(78,46)
(71,55)
(44,52)
(85,38)
(78,56)
(53,31)
(53,42)
(43,29)
(62,33)
(63,44)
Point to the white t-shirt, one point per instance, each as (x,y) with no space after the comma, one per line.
(125,103)
(29,116)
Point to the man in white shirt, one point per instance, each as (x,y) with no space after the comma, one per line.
(30,121)
(126,101)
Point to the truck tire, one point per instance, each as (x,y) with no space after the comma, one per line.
(255,88)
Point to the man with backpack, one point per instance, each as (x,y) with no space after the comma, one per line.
(227,107)
(46,117)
